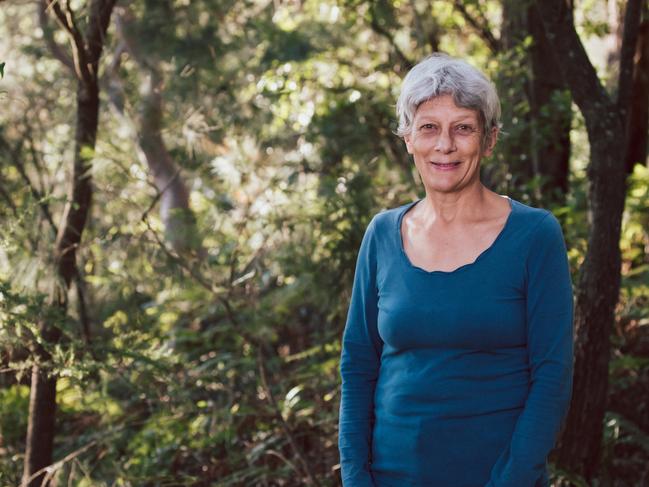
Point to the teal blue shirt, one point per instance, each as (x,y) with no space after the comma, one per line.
(462,378)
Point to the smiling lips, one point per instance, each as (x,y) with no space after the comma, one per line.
(445,166)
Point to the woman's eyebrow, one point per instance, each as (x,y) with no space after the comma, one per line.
(464,118)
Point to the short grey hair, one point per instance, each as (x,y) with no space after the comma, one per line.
(440,74)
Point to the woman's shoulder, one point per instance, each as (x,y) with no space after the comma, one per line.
(532,215)
(536,223)
(386,219)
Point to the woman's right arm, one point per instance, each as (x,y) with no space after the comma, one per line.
(359,368)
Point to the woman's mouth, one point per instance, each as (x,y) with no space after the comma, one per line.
(445,166)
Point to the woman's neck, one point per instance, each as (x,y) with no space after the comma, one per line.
(468,205)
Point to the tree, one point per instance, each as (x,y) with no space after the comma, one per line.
(86,45)
(175,211)
(599,281)
(638,121)
(535,107)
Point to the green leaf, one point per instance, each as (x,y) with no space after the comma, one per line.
(2,70)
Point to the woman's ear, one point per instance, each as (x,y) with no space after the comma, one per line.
(493,137)
(408,140)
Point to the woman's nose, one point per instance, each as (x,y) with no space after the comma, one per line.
(444,142)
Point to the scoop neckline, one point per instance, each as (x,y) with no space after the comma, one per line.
(463,267)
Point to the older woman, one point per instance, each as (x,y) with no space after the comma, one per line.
(457,352)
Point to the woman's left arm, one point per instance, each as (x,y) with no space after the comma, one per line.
(550,352)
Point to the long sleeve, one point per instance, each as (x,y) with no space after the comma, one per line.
(549,309)
(359,368)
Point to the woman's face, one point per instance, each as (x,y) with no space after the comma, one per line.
(445,144)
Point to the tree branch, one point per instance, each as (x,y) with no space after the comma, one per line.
(51,469)
(55,49)
(480,25)
(379,29)
(100,12)
(78,48)
(579,73)
(44,207)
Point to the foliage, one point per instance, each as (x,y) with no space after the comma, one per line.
(221,368)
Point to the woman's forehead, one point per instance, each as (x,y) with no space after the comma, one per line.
(444,105)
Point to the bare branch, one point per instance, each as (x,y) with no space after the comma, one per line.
(55,49)
(78,48)
(160,193)
(51,469)
(178,260)
(69,14)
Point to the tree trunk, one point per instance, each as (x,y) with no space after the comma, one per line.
(40,430)
(42,405)
(513,84)
(178,219)
(175,211)
(540,147)
(551,113)
(596,296)
(638,127)
(599,283)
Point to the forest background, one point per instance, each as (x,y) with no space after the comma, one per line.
(183,190)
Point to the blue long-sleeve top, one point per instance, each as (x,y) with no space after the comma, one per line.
(462,378)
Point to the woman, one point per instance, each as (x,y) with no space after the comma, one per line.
(457,353)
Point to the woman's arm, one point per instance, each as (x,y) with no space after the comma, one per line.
(359,368)
(550,352)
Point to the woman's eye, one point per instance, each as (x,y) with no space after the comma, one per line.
(464,129)
(428,127)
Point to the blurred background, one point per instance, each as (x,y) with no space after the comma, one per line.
(183,190)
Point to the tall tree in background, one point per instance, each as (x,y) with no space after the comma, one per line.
(599,281)
(535,107)
(173,194)
(638,122)
(86,47)
(550,111)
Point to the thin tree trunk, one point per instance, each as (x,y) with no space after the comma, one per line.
(86,52)
(599,282)
(40,430)
(175,210)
